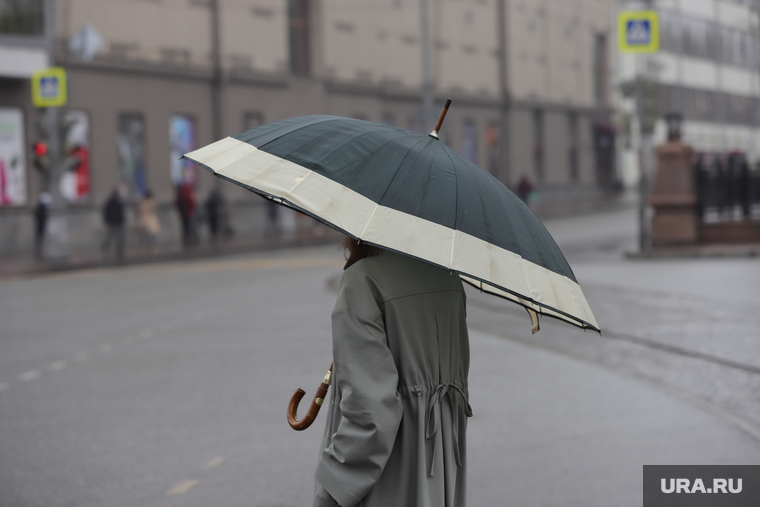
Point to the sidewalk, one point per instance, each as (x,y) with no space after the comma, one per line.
(315,235)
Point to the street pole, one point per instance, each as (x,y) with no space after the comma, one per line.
(646,142)
(647,163)
(427,70)
(217,92)
(642,212)
(504,165)
(57,245)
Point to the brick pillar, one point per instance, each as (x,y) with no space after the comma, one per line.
(673,196)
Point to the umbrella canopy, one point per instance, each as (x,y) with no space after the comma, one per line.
(409,193)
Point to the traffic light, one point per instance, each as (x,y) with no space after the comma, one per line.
(40,149)
(41,160)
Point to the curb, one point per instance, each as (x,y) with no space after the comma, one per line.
(196,253)
(698,252)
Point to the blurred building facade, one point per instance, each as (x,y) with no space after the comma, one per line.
(148,80)
(707,70)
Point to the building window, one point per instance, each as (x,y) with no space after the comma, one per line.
(470,141)
(12,157)
(700,38)
(670,32)
(572,145)
(300,33)
(75,182)
(22,18)
(538,144)
(600,69)
(182,140)
(706,39)
(131,143)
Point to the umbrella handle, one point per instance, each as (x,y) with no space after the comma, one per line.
(316,404)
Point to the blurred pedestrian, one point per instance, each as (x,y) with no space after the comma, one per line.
(113,217)
(525,189)
(147,222)
(225,220)
(41,214)
(273,220)
(397,419)
(214,205)
(185,202)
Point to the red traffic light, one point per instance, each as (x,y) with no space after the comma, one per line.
(40,148)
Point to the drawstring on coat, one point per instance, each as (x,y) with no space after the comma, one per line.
(434,420)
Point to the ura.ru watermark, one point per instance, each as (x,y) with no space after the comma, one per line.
(717,485)
(701,486)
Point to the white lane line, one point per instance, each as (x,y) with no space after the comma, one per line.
(82,356)
(147,333)
(3,386)
(30,375)
(182,487)
(106,347)
(57,365)
(214,462)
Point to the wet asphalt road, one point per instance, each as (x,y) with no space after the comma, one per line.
(167,384)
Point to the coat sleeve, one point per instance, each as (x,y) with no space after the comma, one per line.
(370,405)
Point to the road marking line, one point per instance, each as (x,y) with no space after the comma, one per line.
(57,365)
(182,487)
(214,462)
(82,356)
(30,375)
(3,386)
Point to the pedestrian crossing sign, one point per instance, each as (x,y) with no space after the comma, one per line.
(49,87)
(638,31)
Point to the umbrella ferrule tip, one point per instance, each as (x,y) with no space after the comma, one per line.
(434,135)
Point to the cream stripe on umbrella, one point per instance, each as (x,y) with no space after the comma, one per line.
(408,193)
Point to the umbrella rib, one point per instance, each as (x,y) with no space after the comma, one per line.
(298,182)
(361,236)
(456,210)
(453,243)
(406,156)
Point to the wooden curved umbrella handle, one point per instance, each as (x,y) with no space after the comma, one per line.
(316,404)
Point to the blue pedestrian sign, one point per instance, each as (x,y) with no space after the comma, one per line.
(638,31)
(49,87)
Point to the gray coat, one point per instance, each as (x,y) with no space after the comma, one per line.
(397,416)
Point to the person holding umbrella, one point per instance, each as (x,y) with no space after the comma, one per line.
(421,220)
(397,419)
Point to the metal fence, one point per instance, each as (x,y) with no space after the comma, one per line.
(728,188)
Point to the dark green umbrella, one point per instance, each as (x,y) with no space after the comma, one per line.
(409,193)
